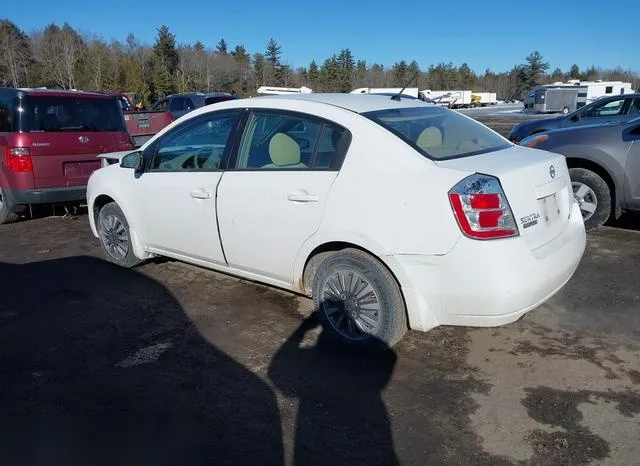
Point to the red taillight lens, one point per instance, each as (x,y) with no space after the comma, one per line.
(485,201)
(485,214)
(18,159)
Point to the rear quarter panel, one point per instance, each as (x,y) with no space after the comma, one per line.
(388,198)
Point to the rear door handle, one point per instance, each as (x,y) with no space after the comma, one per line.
(298,197)
(201,194)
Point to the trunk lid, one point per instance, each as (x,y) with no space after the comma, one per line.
(69,158)
(536,184)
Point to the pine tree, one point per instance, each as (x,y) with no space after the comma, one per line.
(272,56)
(313,74)
(347,65)
(221,48)
(535,68)
(165,63)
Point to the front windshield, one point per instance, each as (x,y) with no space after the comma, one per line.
(439,133)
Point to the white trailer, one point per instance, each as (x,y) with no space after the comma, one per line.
(482,99)
(451,99)
(270,90)
(411,91)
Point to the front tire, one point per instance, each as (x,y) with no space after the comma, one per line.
(115,236)
(593,195)
(358,301)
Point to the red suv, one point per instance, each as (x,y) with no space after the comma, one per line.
(49,140)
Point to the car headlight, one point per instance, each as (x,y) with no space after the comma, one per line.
(533,141)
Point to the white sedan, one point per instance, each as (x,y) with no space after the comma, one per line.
(389,213)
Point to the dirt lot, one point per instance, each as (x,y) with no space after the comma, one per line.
(169,364)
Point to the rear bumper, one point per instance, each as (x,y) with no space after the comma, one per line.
(487,283)
(45,195)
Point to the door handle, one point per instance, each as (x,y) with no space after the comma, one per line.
(201,194)
(298,197)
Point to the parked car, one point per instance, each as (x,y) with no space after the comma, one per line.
(49,140)
(181,104)
(388,213)
(618,108)
(604,165)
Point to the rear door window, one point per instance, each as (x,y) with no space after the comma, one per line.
(60,114)
(284,141)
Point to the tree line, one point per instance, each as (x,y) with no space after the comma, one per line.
(59,56)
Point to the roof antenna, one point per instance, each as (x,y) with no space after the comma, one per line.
(397,96)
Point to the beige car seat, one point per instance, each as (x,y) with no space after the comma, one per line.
(429,137)
(284,152)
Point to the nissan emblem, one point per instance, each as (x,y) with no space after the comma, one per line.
(552,171)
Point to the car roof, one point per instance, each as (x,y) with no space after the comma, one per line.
(64,93)
(359,103)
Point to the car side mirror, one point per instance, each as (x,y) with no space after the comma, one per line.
(132,160)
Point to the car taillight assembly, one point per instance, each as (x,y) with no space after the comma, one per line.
(481,208)
(18,159)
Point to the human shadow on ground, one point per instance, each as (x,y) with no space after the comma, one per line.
(342,419)
(100,365)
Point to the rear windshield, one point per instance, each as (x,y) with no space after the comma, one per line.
(439,133)
(58,114)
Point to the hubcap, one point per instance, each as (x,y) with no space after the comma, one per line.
(586,199)
(114,236)
(351,304)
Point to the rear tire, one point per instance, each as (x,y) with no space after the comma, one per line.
(115,237)
(8,214)
(593,195)
(565,110)
(358,301)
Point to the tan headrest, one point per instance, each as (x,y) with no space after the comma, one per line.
(283,150)
(429,137)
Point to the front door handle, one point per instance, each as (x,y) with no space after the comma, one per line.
(298,197)
(201,194)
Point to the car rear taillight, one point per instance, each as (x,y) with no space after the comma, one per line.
(18,159)
(481,208)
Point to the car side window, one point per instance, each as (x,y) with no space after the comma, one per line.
(177,104)
(196,145)
(162,105)
(634,108)
(6,119)
(609,108)
(290,141)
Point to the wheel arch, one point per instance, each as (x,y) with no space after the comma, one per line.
(605,174)
(322,251)
(94,209)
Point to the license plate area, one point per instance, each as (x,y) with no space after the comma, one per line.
(80,169)
(550,208)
